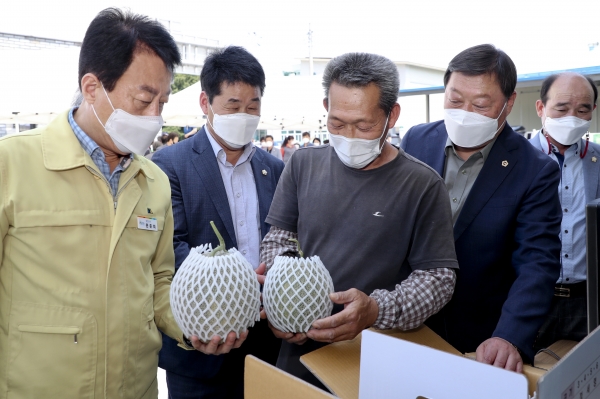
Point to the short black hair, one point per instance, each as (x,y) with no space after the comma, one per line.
(485,59)
(268,136)
(231,64)
(171,136)
(112,39)
(306,134)
(549,81)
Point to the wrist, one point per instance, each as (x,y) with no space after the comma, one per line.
(373,311)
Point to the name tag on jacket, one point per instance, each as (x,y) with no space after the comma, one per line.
(145,223)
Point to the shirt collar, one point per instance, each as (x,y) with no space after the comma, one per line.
(485,151)
(249,150)
(544,142)
(89,145)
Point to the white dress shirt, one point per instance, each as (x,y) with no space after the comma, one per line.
(243,199)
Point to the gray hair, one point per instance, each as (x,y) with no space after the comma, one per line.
(362,69)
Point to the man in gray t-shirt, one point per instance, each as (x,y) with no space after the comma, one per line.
(379,219)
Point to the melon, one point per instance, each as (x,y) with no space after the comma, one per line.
(214,292)
(296,292)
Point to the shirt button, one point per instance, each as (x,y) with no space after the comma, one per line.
(566,255)
(566,210)
(567,279)
(566,187)
(242,223)
(244,252)
(238,195)
(454,200)
(566,231)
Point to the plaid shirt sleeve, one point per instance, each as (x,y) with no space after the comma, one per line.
(421,295)
(276,243)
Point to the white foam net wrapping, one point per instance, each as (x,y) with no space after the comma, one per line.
(296,293)
(215,295)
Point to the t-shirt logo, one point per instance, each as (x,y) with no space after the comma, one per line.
(378,214)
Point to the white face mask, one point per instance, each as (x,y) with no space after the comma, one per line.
(566,130)
(236,130)
(357,153)
(470,129)
(130,133)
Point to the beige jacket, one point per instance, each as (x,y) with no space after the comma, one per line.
(82,289)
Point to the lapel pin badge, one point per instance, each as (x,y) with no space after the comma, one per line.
(505,163)
(264,172)
(594,159)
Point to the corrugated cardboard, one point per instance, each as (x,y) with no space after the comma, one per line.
(560,348)
(532,374)
(543,362)
(263,381)
(337,365)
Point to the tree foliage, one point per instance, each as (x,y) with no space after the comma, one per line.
(181,81)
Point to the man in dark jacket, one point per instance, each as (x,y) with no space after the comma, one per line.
(505,209)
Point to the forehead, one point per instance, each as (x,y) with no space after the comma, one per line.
(238,91)
(148,72)
(569,86)
(485,85)
(342,97)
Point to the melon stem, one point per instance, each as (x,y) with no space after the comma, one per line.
(297,247)
(221,247)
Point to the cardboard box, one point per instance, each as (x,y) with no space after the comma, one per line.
(261,380)
(338,365)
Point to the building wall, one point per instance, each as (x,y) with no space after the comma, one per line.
(8,40)
(318,67)
(193,49)
(416,77)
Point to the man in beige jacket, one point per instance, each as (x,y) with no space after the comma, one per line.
(86,228)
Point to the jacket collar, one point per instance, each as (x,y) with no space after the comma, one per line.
(62,151)
(496,168)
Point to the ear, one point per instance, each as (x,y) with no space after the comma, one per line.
(89,84)
(394,115)
(510,103)
(539,107)
(326,104)
(204,102)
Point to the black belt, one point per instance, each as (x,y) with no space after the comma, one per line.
(570,290)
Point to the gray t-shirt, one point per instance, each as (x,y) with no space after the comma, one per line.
(370,228)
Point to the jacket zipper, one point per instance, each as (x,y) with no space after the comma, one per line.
(115,202)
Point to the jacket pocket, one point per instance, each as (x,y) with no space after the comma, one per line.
(52,352)
(149,344)
(73,263)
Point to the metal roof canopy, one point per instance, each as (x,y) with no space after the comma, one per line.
(524,80)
